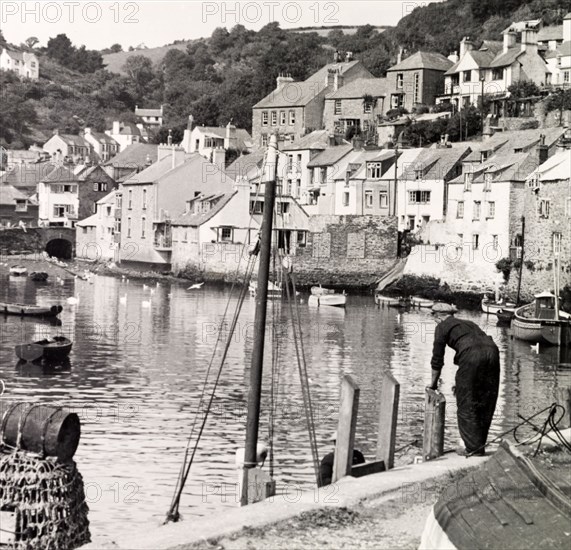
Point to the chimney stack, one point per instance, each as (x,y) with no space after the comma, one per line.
(331,140)
(509,39)
(219,158)
(56,131)
(190,123)
(87,131)
(337,81)
(282,80)
(330,77)
(454,57)
(529,40)
(466,45)
(399,55)
(567,28)
(116,127)
(230,141)
(169,139)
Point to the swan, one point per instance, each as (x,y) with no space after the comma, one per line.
(196,286)
(123,299)
(145,287)
(73,300)
(146,303)
(535,348)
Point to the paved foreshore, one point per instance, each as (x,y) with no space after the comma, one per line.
(409,485)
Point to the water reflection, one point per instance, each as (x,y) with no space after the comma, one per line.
(138,374)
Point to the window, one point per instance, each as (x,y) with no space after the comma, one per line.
(411,222)
(108,211)
(33,64)
(533,181)
(566,75)
(289,162)
(487,181)
(484,155)
(323,175)
(374,170)
(301,238)
(467,75)
(298,188)
(383,199)
(477,210)
(63,210)
(475,241)
(226,234)
(144,199)
(491,209)
(283,207)
(291,118)
(495,242)
(419,174)
(289,187)
(461,238)
(365,125)
(143,224)
(256,207)
(274,118)
(21,205)
(264,140)
(543,208)
(346,198)
(497,74)
(368,199)
(368,107)
(416,87)
(556,243)
(338,107)
(397,100)
(130,199)
(468,179)
(128,228)
(299,162)
(460,209)
(400,80)
(419,197)
(283,118)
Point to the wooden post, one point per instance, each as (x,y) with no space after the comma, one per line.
(433,440)
(348,408)
(390,392)
(563,398)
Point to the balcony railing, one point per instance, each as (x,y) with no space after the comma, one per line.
(163,242)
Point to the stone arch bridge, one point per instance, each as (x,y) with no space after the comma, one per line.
(56,241)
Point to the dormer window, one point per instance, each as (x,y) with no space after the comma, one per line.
(533,181)
(374,170)
(488,181)
(419,174)
(484,155)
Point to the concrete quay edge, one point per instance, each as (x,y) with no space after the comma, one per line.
(399,482)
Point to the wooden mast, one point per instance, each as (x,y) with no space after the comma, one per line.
(521,259)
(254,394)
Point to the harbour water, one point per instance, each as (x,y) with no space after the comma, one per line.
(138,367)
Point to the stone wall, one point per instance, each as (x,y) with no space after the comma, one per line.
(347,250)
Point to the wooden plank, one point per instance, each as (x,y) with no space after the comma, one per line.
(348,407)
(390,393)
(433,439)
(368,468)
(563,398)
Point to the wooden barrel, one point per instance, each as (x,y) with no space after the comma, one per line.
(41,429)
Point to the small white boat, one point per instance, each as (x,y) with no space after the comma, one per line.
(421,302)
(275,291)
(388,301)
(337,300)
(492,307)
(18,270)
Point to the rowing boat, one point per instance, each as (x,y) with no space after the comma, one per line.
(29,309)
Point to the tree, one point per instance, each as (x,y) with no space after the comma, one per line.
(116,48)
(139,70)
(32,41)
(60,48)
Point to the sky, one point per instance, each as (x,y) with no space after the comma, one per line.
(98,25)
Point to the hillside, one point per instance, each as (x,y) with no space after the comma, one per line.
(114,61)
(221,77)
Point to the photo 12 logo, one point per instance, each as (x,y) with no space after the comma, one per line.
(234,13)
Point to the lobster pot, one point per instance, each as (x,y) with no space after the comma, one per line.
(42,503)
(41,429)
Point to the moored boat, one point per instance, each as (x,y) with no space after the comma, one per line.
(541,322)
(421,302)
(492,306)
(29,309)
(274,290)
(38,276)
(381,300)
(335,299)
(18,270)
(50,349)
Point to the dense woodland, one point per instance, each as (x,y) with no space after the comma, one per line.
(219,78)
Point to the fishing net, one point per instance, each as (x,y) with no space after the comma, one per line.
(42,502)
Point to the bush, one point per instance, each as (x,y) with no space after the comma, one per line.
(505,265)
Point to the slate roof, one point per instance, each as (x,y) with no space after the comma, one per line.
(76,141)
(148,112)
(555,32)
(197,219)
(506,59)
(27,175)
(370,156)
(330,156)
(134,155)
(15,55)
(152,173)
(248,166)
(423,60)
(9,195)
(292,94)
(61,174)
(376,87)
(318,139)
(506,166)
(436,163)
(104,138)
(342,67)
(557,167)
(483,57)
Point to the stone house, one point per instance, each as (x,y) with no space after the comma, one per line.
(361,191)
(207,139)
(24,64)
(132,159)
(356,105)
(495,66)
(559,58)
(104,146)
(322,171)
(95,239)
(150,117)
(153,198)
(294,109)
(547,212)
(417,80)
(294,176)
(94,184)
(125,134)
(67,147)
(422,187)
(16,207)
